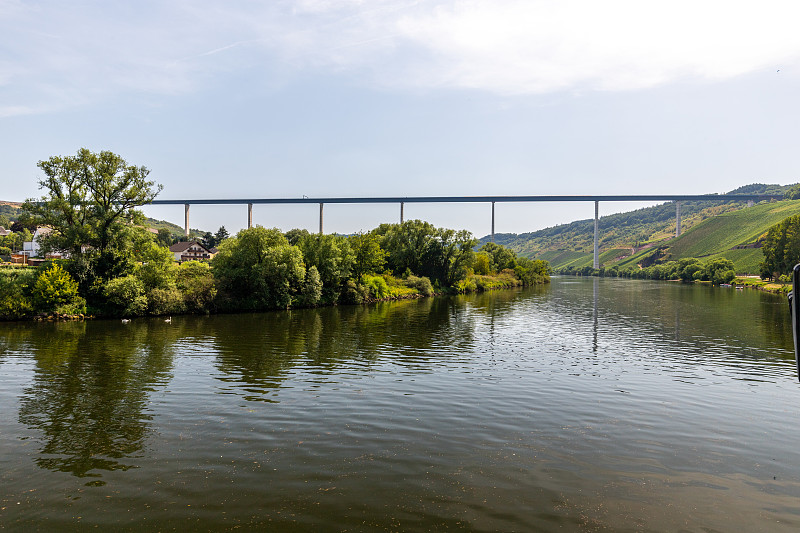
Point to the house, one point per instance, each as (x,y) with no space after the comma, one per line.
(31,248)
(190,251)
(4,232)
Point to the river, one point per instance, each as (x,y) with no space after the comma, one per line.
(588,404)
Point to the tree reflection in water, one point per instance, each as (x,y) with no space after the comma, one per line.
(256,353)
(90,390)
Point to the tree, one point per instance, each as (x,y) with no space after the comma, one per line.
(368,255)
(209,240)
(89,199)
(259,269)
(164,237)
(332,256)
(502,257)
(441,254)
(781,248)
(718,270)
(221,235)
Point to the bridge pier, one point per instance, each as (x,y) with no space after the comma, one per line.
(677,219)
(402,204)
(249,216)
(596,261)
(186,218)
(320,217)
(492,221)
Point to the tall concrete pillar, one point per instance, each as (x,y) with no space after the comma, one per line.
(186,218)
(677,219)
(402,204)
(492,221)
(596,262)
(249,216)
(320,217)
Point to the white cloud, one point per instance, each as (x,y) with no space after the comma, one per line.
(75,53)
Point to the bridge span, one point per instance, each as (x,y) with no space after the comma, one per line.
(402,200)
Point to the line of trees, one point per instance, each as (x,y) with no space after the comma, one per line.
(117,268)
(717,271)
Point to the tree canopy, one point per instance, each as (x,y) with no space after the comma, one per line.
(89,198)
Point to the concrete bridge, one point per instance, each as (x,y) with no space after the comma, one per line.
(402,200)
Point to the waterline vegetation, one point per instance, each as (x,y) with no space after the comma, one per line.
(110,265)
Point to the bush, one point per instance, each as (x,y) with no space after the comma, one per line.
(354,293)
(196,283)
(421,284)
(166,301)
(125,296)
(5,250)
(15,301)
(376,286)
(466,285)
(55,291)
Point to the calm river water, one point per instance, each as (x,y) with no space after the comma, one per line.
(585,405)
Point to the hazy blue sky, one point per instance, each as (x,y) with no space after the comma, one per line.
(392,97)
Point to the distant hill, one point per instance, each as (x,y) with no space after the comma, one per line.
(630,236)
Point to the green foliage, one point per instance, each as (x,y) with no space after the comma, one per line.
(368,257)
(157,268)
(221,235)
(376,286)
(125,296)
(259,269)
(295,235)
(196,283)
(793,193)
(89,199)
(5,250)
(688,269)
(781,248)
(717,271)
(311,293)
(15,298)
(333,257)
(165,301)
(482,264)
(443,255)
(466,285)
(501,257)
(532,271)
(420,284)
(164,237)
(55,291)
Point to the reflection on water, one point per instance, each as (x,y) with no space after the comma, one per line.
(88,395)
(588,404)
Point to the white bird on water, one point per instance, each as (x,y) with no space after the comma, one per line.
(168,320)
(126,320)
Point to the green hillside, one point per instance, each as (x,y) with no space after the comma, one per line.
(646,235)
(733,235)
(729,230)
(646,226)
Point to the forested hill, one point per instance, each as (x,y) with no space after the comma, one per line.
(633,229)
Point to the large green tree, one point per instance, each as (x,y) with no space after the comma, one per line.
(438,253)
(259,269)
(89,199)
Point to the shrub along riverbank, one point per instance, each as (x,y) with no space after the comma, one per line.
(262,269)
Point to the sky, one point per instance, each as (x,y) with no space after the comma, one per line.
(284,99)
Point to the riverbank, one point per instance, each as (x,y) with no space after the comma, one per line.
(762,285)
